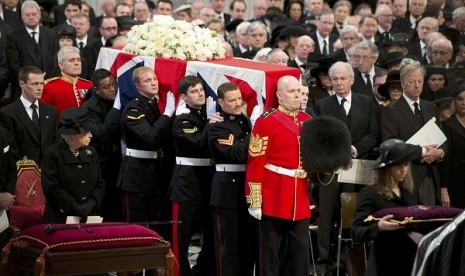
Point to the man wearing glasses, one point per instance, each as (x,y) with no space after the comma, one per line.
(442,52)
(365,55)
(349,37)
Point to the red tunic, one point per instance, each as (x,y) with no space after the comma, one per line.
(64,92)
(275,140)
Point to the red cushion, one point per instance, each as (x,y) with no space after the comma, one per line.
(419,215)
(24,217)
(71,237)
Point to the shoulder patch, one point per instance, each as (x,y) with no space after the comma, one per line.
(135,114)
(51,79)
(268,112)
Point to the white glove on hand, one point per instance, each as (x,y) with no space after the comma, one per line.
(256,112)
(117,103)
(256,213)
(169,108)
(211,107)
(182,108)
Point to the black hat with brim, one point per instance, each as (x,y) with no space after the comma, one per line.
(392,58)
(392,79)
(293,30)
(444,95)
(324,64)
(312,59)
(394,152)
(231,26)
(75,120)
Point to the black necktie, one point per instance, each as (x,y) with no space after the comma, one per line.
(34,36)
(343,101)
(325,51)
(81,46)
(369,85)
(386,36)
(417,112)
(35,115)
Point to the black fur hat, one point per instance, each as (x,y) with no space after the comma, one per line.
(325,145)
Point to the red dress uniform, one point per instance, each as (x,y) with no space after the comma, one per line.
(274,155)
(65,91)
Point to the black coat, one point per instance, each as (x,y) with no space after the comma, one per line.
(315,94)
(393,252)
(340,55)
(399,121)
(26,141)
(191,184)
(91,52)
(143,129)
(7,164)
(68,180)
(453,168)
(360,85)
(332,38)
(229,142)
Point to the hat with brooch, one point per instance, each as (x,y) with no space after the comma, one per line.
(75,120)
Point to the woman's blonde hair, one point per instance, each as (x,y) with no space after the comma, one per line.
(385,181)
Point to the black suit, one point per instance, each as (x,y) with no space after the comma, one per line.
(361,121)
(414,50)
(340,55)
(399,121)
(91,52)
(27,142)
(7,164)
(360,86)
(13,19)
(22,50)
(331,39)
(4,72)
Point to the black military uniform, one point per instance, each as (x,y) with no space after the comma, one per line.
(145,131)
(106,139)
(190,191)
(7,172)
(228,142)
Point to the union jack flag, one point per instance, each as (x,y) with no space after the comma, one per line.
(257,81)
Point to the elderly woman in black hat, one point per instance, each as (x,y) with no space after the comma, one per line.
(393,251)
(323,87)
(71,177)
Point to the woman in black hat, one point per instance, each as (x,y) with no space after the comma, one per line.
(454,162)
(435,79)
(323,87)
(71,177)
(393,251)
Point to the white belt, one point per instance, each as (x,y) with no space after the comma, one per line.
(288,172)
(141,153)
(186,161)
(230,167)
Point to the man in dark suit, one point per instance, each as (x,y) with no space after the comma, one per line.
(365,55)
(408,24)
(11,18)
(7,178)
(357,112)
(322,37)
(218,6)
(384,16)
(305,45)
(33,124)
(349,37)
(403,119)
(418,48)
(72,7)
(29,45)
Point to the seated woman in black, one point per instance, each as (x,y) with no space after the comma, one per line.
(71,178)
(393,251)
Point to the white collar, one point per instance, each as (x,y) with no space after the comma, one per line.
(348,98)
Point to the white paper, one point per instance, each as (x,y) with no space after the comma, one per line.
(359,173)
(90,219)
(429,134)
(4,223)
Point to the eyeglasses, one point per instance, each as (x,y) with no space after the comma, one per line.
(363,58)
(442,53)
(109,28)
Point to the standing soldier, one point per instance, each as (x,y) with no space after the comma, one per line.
(145,131)
(228,141)
(276,185)
(192,176)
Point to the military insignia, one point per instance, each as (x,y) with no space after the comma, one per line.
(190,130)
(258,145)
(88,152)
(83,93)
(268,112)
(228,141)
(136,117)
(255,198)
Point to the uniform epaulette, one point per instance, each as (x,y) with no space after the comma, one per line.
(51,79)
(268,112)
(84,80)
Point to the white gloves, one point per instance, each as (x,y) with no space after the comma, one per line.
(117,103)
(211,107)
(169,108)
(256,112)
(182,108)
(256,213)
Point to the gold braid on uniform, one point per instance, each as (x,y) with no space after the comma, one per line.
(255,197)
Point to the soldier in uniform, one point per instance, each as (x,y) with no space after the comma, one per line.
(145,131)
(191,181)
(228,142)
(106,139)
(71,178)
(276,184)
(69,89)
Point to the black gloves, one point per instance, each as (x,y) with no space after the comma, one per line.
(84,209)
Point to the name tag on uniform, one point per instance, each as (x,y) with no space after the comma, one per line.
(6,149)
